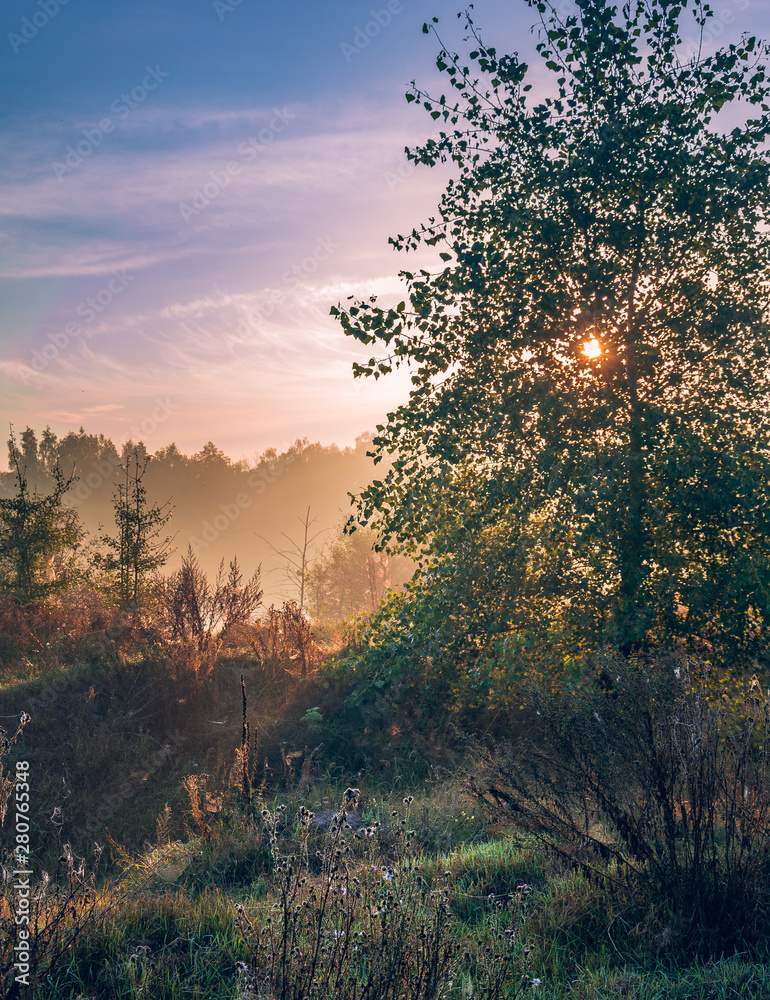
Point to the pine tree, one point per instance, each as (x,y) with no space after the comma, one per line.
(137,549)
(34,527)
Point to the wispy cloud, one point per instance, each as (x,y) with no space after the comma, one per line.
(123,209)
(266,378)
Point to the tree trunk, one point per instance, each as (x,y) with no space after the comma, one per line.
(631,622)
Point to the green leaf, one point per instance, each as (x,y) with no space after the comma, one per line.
(566,492)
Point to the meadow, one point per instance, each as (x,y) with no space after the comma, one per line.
(240,826)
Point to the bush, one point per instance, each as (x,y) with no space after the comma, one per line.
(648,770)
(80,625)
(199,617)
(284,638)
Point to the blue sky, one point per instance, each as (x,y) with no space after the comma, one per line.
(187,187)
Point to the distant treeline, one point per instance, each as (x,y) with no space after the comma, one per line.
(222,508)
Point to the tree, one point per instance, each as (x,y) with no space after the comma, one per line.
(86,451)
(590,370)
(34,528)
(211,458)
(137,550)
(297,557)
(48,449)
(27,454)
(351,575)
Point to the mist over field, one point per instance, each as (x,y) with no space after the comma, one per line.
(254,511)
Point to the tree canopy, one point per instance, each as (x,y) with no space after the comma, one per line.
(35,528)
(589,357)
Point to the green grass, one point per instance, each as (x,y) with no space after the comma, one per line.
(181,940)
(167,926)
(171,945)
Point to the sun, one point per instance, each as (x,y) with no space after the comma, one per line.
(592,348)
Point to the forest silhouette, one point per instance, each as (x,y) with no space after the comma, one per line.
(221,508)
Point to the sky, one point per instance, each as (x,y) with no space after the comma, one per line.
(188,186)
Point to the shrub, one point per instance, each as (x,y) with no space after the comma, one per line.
(7,783)
(199,617)
(76,626)
(647,769)
(63,909)
(284,638)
